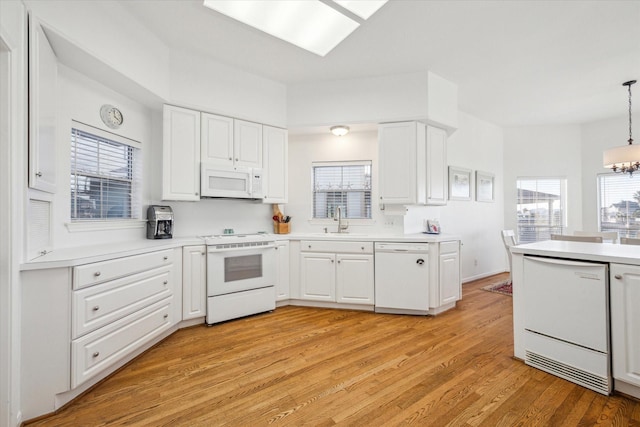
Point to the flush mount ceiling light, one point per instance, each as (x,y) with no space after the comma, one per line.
(310,24)
(625,159)
(339,130)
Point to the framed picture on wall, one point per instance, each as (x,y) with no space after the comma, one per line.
(484,187)
(459,183)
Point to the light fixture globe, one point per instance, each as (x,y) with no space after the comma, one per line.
(339,130)
(625,159)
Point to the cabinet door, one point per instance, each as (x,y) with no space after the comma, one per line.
(180,154)
(317,276)
(397,153)
(247,144)
(43,81)
(436,166)
(354,278)
(625,322)
(216,140)
(194,281)
(275,150)
(282,270)
(449,278)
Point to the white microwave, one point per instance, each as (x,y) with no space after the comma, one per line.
(230,182)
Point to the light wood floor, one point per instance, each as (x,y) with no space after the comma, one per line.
(304,366)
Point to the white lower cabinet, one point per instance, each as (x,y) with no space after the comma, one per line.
(282,270)
(625,323)
(194,282)
(449,284)
(337,272)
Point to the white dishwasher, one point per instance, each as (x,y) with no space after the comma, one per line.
(567,320)
(402,278)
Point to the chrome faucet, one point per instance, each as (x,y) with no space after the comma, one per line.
(338,217)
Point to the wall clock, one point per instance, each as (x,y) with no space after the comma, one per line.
(111,116)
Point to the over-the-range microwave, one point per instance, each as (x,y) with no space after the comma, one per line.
(230,182)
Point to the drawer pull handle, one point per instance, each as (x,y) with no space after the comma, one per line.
(618,276)
(166,258)
(165,316)
(165,282)
(420,261)
(96,354)
(96,308)
(97,274)
(39,174)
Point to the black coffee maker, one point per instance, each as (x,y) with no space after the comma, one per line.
(159,222)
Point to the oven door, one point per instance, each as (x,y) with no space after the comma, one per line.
(239,268)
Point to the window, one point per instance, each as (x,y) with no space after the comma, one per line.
(344,184)
(618,204)
(541,208)
(105,175)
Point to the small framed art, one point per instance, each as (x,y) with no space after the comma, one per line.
(459,183)
(485,191)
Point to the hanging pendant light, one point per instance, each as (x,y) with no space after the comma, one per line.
(625,159)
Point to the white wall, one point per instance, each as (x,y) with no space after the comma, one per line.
(597,137)
(476,145)
(544,151)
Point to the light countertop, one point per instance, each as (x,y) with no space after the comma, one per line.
(600,252)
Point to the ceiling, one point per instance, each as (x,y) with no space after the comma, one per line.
(515,62)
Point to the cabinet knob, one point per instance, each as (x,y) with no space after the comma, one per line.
(332,261)
(96,354)
(39,174)
(276,248)
(165,316)
(230,158)
(165,258)
(97,274)
(618,276)
(196,194)
(380,197)
(96,308)
(420,261)
(309,246)
(236,159)
(203,253)
(338,261)
(362,247)
(165,282)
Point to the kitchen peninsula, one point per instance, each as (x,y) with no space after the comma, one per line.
(588,294)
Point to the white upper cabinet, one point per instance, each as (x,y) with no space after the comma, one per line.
(413,164)
(436,172)
(398,145)
(43,83)
(275,150)
(180,154)
(247,147)
(217,140)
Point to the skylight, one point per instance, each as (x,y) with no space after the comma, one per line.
(309,24)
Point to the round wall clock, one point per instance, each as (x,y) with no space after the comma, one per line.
(111,116)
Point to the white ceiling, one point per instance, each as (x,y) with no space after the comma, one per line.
(515,62)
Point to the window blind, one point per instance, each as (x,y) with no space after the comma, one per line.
(105,177)
(344,184)
(619,204)
(541,208)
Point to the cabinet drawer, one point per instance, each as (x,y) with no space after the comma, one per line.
(95,306)
(449,247)
(100,272)
(336,247)
(102,348)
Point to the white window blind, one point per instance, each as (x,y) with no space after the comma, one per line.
(344,184)
(541,208)
(619,204)
(105,175)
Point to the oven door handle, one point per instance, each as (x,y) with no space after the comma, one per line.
(212,249)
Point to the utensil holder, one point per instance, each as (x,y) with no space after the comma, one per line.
(281,227)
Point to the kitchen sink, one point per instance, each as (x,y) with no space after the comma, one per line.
(343,234)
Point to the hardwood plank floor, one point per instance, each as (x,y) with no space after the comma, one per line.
(320,367)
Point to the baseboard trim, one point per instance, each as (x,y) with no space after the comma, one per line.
(482,276)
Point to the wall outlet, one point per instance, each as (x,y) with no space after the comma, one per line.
(388,222)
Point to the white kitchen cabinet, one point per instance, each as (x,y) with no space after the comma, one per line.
(275,158)
(354,279)
(282,270)
(449,284)
(180,154)
(436,166)
(216,143)
(194,281)
(43,83)
(247,144)
(625,323)
(337,272)
(413,164)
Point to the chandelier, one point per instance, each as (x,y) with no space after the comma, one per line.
(625,159)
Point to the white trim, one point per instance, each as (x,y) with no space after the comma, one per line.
(104,134)
(81,226)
